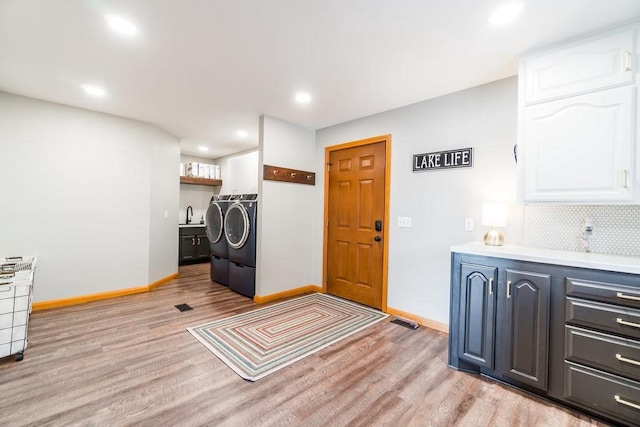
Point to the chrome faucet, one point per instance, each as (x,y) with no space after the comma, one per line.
(189,217)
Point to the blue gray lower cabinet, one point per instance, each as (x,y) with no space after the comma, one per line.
(566,333)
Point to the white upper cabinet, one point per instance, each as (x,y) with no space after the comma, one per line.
(578,118)
(580,149)
(598,64)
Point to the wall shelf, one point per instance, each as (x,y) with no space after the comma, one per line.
(200,181)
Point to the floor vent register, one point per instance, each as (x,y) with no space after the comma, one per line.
(183,307)
(406,323)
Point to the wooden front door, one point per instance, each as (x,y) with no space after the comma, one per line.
(356,228)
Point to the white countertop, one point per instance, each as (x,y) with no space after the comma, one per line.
(197,224)
(619,263)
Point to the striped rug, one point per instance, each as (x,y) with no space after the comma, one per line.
(260,342)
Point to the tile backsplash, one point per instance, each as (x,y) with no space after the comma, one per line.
(616,229)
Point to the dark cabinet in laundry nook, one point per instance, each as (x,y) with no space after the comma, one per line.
(194,245)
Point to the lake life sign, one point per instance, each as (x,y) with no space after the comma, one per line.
(460,158)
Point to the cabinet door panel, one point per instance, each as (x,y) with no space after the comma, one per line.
(526,328)
(596,64)
(477,314)
(202,244)
(187,248)
(581,149)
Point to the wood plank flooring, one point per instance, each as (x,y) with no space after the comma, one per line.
(130,361)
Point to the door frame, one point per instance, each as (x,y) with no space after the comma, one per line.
(386,139)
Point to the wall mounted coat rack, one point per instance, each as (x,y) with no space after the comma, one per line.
(275,173)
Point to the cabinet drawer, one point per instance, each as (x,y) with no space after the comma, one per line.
(605,292)
(603,393)
(606,352)
(610,318)
(592,65)
(192,231)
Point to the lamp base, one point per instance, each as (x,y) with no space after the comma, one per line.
(493,238)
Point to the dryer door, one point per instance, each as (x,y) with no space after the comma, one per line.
(214,223)
(236,225)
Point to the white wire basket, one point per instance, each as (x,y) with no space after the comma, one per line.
(17,263)
(16,291)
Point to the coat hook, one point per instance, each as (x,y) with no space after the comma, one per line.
(309,177)
(293,174)
(275,171)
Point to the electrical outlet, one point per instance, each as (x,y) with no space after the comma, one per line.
(404,221)
(468,224)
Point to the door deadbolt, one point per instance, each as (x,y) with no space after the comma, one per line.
(378,225)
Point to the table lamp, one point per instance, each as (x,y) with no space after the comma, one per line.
(494,215)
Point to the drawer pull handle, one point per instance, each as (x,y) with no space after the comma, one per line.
(508,289)
(626,402)
(626,323)
(491,286)
(626,360)
(629,297)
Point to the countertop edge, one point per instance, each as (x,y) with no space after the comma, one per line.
(607,262)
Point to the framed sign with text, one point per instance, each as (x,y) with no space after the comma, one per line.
(460,158)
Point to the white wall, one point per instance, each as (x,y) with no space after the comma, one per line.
(79,191)
(239,172)
(286,211)
(485,118)
(165,186)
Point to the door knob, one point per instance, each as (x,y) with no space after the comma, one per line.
(377,238)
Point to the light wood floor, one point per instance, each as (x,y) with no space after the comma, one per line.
(130,361)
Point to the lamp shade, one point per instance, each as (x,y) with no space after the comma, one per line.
(494,214)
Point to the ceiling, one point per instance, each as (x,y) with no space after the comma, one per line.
(205,69)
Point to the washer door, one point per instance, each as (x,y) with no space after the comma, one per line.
(214,223)
(236,225)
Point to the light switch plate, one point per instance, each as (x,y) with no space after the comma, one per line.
(468,224)
(404,221)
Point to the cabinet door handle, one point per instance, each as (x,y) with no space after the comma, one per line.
(508,289)
(193,241)
(198,240)
(625,179)
(627,323)
(629,297)
(627,360)
(626,61)
(491,286)
(626,402)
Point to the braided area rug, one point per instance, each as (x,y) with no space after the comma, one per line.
(260,342)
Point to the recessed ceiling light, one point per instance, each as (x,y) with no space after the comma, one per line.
(203,148)
(243,134)
(303,98)
(94,90)
(506,13)
(120,25)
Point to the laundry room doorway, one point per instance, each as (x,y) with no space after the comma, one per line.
(356,217)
